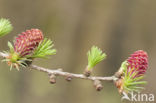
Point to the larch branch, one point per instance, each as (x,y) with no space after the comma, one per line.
(69,76)
(59,72)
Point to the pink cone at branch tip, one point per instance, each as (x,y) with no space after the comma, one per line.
(138,63)
(27,41)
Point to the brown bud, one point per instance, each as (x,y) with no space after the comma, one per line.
(87,72)
(98,85)
(118,74)
(69,77)
(52,78)
(119,84)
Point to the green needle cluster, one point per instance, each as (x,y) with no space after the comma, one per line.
(95,56)
(44,49)
(5,27)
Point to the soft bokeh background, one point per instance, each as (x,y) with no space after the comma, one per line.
(118,27)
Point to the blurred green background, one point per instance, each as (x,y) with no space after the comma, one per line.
(118,27)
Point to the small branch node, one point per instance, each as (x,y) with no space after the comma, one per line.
(98,85)
(118,74)
(52,78)
(69,77)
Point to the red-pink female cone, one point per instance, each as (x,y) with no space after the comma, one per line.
(132,72)
(27,41)
(138,63)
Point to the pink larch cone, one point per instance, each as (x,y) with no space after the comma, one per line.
(27,41)
(138,63)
